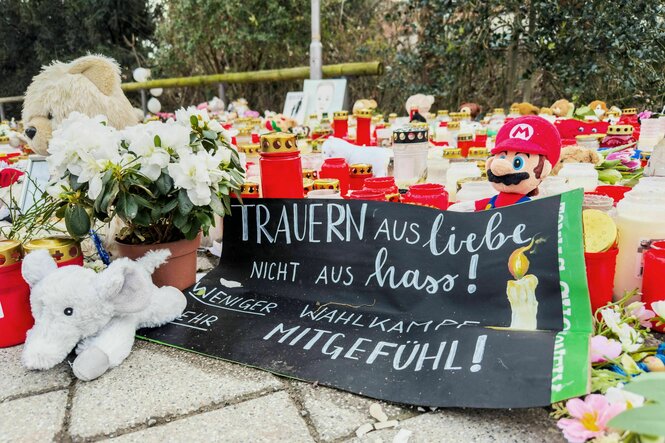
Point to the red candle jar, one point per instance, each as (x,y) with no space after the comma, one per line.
(618,135)
(336,168)
(364,194)
(358,173)
(464,143)
(15,315)
(481,138)
(363,127)
(428,194)
(653,279)
(340,124)
(385,185)
(281,167)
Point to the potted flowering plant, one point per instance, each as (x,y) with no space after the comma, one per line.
(164,181)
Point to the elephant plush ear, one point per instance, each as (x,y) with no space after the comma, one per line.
(103,72)
(125,286)
(36,266)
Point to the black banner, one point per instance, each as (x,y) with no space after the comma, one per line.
(400,302)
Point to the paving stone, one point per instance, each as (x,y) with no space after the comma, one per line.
(16,380)
(476,425)
(35,418)
(157,381)
(336,413)
(266,419)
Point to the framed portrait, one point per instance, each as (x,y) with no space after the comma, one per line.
(324,96)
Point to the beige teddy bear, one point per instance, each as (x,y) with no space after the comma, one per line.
(421,101)
(90,85)
(576,154)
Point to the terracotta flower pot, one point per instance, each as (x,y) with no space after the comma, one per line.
(179,270)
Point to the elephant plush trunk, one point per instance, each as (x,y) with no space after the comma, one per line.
(46,346)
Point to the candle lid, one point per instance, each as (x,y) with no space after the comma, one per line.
(498,111)
(309,173)
(363,113)
(246,130)
(456,116)
(452,153)
(464,137)
(60,248)
(629,111)
(620,130)
(442,112)
(326,183)
(250,148)
(307,185)
(340,115)
(600,231)
(453,125)
(410,134)
(392,115)
(250,188)
(11,252)
(360,169)
(315,145)
(478,153)
(465,115)
(274,142)
(482,131)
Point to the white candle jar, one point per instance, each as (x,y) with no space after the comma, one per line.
(410,155)
(476,190)
(580,175)
(457,172)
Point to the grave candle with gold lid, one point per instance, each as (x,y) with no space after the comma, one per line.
(64,250)
(15,316)
(281,167)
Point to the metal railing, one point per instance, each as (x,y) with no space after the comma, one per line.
(269,75)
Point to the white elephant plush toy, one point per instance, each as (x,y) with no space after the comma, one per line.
(99,312)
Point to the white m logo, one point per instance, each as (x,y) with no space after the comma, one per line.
(523,131)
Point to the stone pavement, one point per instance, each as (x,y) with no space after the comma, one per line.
(164,394)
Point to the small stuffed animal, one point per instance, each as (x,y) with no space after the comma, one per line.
(97,313)
(527,109)
(89,85)
(576,154)
(364,103)
(472,109)
(421,101)
(562,108)
(599,108)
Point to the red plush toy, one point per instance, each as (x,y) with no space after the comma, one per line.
(525,151)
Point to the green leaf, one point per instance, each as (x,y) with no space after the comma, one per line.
(131,207)
(164,183)
(210,134)
(194,121)
(77,220)
(650,386)
(185,205)
(60,213)
(216,205)
(647,419)
(170,206)
(179,220)
(158,141)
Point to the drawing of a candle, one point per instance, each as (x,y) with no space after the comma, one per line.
(522,291)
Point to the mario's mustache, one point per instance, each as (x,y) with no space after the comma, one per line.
(508,179)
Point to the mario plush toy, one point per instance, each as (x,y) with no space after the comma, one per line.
(525,151)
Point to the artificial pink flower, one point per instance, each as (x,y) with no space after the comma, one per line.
(625,156)
(604,349)
(643,315)
(590,417)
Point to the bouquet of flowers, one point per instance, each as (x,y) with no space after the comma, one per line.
(165,181)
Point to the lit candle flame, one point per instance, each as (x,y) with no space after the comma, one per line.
(518,263)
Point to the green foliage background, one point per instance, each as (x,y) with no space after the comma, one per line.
(491,52)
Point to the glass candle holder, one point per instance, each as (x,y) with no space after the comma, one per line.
(410,146)
(281,166)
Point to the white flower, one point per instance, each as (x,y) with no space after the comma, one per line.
(630,339)
(637,311)
(618,395)
(55,189)
(659,308)
(214,125)
(183,116)
(83,146)
(196,173)
(612,319)
(141,141)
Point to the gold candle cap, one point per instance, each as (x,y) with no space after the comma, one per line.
(464,137)
(11,252)
(478,153)
(482,131)
(360,169)
(340,115)
(454,125)
(392,115)
(250,188)
(326,183)
(629,111)
(465,115)
(452,153)
(497,111)
(442,112)
(246,130)
(250,148)
(363,113)
(310,174)
(61,248)
(275,142)
(307,185)
(620,130)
